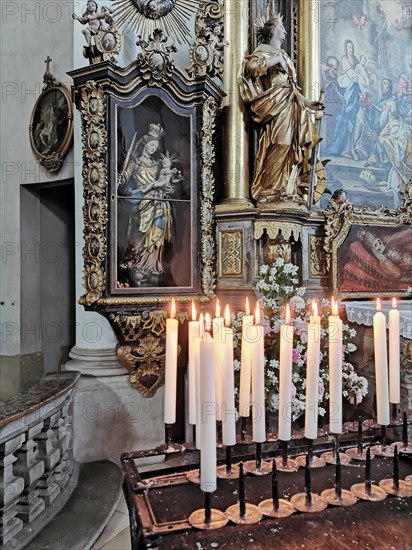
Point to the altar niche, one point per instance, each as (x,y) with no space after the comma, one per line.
(156,246)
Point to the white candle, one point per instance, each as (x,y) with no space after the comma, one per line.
(218,341)
(381,366)
(394,355)
(208,401)
(312,376)
(246,362)
(258,382)
(171,367)
(335,370)
(285,379)
(197,375)
(228,386)
(194,332)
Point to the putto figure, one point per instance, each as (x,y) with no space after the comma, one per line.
(92,18)
(268,83)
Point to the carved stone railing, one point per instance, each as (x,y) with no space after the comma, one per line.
(37,469)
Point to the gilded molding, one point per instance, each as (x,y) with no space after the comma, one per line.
(206,54)
(94,139)
(318,263)
(155,62)
(287,229)
(231,253)
(145,359)
(340,218)
(209,111)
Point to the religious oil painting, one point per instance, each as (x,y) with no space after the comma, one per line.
(375,260)
(366,72)
(155,202)
(51,126)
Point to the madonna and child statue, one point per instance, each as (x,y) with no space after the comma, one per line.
(268,83)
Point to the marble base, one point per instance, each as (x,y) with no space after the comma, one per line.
(110,417)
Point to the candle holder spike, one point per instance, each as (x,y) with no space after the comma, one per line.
(242,512)
(169,446)
(283,462)
(396,420)
(314,461)
(330,456)
(191,445)
(396,486)
(366,490)
(404,446)
(258,467)
(317,503)
(243,438)
(207,517)
(228,470)
(338,496)
(383,449)
(276,507)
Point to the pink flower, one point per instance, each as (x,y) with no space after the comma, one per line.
(296,355)
(321,388)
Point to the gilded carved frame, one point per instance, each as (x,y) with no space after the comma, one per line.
(369,252)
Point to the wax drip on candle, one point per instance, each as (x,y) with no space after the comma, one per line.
(287,314)
(275,491)
(228,317)
(395,469)
(257,314)
(217,308)
(208,323)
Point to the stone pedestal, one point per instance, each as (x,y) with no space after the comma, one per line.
(110,417)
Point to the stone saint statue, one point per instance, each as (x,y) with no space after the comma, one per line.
(268,83)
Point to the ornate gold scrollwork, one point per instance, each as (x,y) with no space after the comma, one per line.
(94,138)
(145,360)
(287,229)
(209,111)
(318,260)
(155,63)
(339,220)
(206,54)
(231,253)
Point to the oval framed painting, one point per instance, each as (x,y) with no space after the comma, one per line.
(51,127)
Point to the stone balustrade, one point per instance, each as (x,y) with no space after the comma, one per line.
(37,469)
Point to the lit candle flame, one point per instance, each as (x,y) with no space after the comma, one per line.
(378,304)
(335,308)
(257,314)
(173,309)
(194,312)
(217,308)
(394,304)
(247,306)
(315,308)
(228,317)
(202,325)
(287,315)
(208,323)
